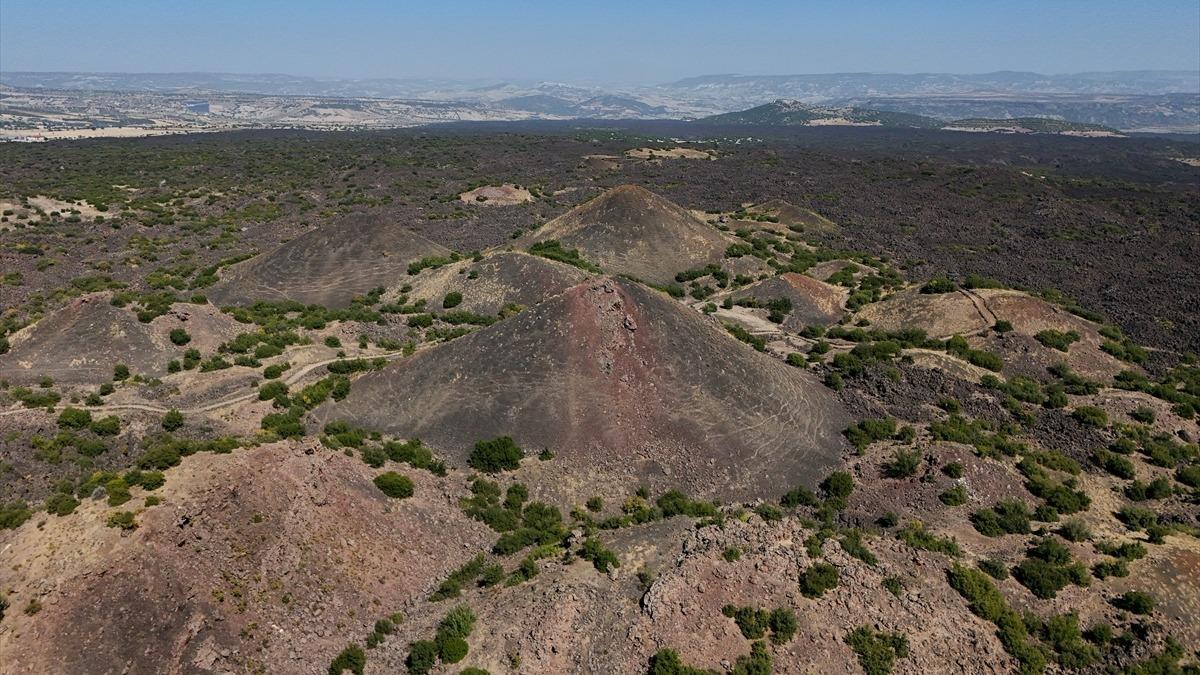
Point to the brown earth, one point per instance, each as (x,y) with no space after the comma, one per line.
(973,313)
(496,195)
(789,215)
(327,266)
(630,230)
(813,302)
(623,384)
(273,556)
(502,278)
(83,341)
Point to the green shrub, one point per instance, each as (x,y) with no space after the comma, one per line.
(172,420)
(893,585)
(757,662)
(852,543)
(986,602)
(953,470)
(918,537)
(458,623)
(452,649)
(553,250)
(122,519)
(180,337)
(1005,517)
(394,485)
(1159,488)
(994,568)
(1137,518)
(491,575)
(838,486)
(955,496)
(1115,464)
(452,299)
(752,622)
(273,390)
(869,431)
(61,504)
(1075,530)
(453,585)
(74,418)
(1189,475)
(13,514)
(1090,416)
(106,426)
(667,662)
(1048,568)
(904,463)
(274,371)
(798,496)
(1057,339)
(738,331)
(675,503)
(938,285)
(1136,602)
(818,578)
(1143,414)
(352,658)
(120,372)
(602,558)
(495,455)
(422,655)
(877,651)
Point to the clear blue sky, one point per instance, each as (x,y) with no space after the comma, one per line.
(604,41)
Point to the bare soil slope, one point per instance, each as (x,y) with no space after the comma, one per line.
(501,278)
(790,215)
(967,313)
(630,230)
(82,342)
(813,302)
(621,383)
(327,266)
(272,556)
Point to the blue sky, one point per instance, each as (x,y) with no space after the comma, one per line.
(609,41)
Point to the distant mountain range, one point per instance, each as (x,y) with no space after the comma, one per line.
(1136,100)
(794,113)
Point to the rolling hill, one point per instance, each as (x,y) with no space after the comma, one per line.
(328,265)
(783,113)
(632,231)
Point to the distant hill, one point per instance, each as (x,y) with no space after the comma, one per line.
(783,113)
(794,113)
(1034,125)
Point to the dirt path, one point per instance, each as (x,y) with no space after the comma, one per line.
(289,380)
(981,306)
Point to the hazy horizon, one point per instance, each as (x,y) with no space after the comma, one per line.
(620,42)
